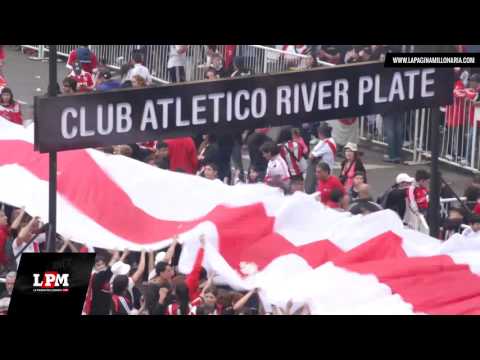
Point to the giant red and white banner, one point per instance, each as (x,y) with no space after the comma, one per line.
(292,248)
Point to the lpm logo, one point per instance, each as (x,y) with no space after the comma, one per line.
(51,281)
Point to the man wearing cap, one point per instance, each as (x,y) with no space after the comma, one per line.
(396,197)
(122,268)
(85,57)
(83,79)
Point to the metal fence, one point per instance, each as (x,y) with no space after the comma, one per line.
(447,203)
(460,143)
(260,59)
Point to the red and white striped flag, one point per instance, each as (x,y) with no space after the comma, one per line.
(292,248)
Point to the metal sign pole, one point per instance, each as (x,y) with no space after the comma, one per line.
(52,179)
(434,211)
(435,175)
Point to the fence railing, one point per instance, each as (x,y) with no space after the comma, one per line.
(260,59)
(460,143)
(447,203)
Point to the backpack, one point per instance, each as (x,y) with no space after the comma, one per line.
(84,55)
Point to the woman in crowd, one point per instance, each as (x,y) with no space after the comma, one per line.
(351,165)
(182,304)
(9,108)
(121,304)
(208,305)
(254,176)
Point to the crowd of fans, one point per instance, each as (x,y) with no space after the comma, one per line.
(291,158)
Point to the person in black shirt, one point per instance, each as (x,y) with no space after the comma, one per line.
(162,159)
(101,295)
(164,298)
(225,146)
(208,151)
(164,273)
(254,142)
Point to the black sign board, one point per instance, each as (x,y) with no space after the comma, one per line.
(136,115)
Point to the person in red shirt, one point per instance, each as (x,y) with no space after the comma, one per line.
(228,55)
(326,182)
(198,273)
(338,200)
(183,154)
(418,193)
(86,57)
(9,108)
(83,79)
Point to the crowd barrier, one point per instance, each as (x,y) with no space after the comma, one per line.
(260,59)
(459,129)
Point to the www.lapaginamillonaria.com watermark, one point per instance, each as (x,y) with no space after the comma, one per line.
(433,60)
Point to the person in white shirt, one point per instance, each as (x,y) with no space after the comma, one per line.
(326,148)
(176,62)
(122,268)
(139,69)
(472,231)
(277,169)
(24,236)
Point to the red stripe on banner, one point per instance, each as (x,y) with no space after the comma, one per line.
(433,285)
